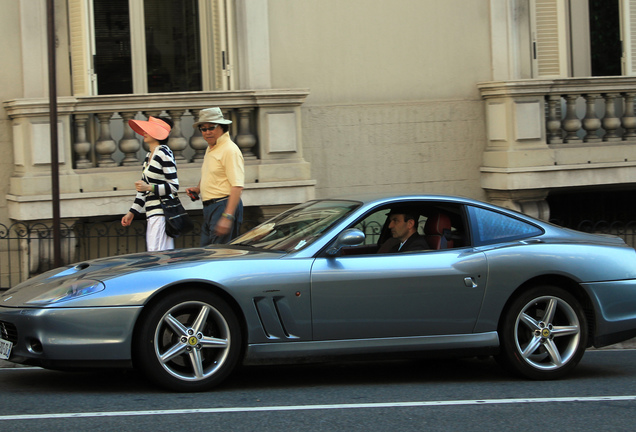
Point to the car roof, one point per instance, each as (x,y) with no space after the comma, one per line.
(378,197)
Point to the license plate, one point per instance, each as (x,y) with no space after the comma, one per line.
(5,349)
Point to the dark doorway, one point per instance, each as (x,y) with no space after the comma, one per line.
(112,59)
(605,38)
(570,209)
(173,51)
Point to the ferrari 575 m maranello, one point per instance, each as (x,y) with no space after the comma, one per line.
(328,279)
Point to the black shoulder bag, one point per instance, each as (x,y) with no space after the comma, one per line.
(178,222)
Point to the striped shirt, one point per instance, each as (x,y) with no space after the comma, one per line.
(161,173)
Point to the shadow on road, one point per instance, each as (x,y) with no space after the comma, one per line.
(328,375)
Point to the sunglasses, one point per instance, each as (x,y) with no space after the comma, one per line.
(204,129)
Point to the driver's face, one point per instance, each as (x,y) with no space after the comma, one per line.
(399,228)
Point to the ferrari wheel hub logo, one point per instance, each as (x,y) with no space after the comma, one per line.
(545,333)
(192,340)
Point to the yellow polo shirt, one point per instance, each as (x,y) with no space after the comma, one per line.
(223,168)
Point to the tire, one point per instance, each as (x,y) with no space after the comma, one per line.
(543,334)
(188,341)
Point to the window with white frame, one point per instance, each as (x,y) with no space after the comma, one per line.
(609,30)
(150,46)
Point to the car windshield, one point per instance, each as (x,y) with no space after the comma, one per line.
(297,227)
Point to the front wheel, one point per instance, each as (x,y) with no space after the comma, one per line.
(543,333)
(188,341)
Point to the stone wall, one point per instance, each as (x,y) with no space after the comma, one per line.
(416,147)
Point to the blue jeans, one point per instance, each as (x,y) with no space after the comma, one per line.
(211,215)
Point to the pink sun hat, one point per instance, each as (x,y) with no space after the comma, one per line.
(156,128)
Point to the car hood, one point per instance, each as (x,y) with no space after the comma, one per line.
(103,269)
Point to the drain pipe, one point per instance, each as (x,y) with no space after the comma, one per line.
(55,168)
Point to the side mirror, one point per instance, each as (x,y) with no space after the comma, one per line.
(349,237)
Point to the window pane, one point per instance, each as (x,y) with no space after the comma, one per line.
(173,51)
(112,43)
(492,227)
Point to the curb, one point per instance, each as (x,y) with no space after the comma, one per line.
(7,364)
(628,344)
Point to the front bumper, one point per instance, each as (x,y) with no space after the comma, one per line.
(70,337)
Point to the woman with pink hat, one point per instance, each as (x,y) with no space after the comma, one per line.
(158,179)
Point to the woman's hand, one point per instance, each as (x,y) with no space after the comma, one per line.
(127,219)
(142,186)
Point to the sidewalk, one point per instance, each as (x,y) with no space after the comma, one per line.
(6,364)
(628,344)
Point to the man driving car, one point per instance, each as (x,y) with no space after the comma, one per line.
(403,225)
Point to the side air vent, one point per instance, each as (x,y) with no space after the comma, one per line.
(276,318)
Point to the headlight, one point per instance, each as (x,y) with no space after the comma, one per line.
(68,290)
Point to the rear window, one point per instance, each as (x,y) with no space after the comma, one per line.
(492,227)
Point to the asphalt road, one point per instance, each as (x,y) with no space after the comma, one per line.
(460,395)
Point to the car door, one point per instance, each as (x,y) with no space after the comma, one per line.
(397,295)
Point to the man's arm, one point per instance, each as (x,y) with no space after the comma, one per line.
(196,190)
(225,223)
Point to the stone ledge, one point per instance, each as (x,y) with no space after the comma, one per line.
(87,204)
(558,176)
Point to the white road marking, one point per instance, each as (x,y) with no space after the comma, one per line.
(318,407)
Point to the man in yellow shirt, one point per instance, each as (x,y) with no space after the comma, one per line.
(222,180)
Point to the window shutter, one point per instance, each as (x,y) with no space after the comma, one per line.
(216,46)
(628,36)
(549,37)
(81,31)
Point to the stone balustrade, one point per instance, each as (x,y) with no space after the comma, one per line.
(543,135)
(608,117)
(186,143)
(100,156)
(574,109)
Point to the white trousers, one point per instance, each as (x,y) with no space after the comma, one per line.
(156,237)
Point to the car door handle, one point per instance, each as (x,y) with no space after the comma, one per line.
(470,282)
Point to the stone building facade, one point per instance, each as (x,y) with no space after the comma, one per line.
(491,99)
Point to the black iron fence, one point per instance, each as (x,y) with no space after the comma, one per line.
(624,230)
(27,249)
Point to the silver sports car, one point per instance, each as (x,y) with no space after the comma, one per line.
(325,280)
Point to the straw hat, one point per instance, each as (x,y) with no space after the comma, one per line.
(211,115)
(156,128)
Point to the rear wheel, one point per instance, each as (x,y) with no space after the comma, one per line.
(543,333)
(188,341)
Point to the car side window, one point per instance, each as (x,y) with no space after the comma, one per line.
(492,227)
(371,226)
(447,217)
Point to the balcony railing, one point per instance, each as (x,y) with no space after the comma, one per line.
(543,135)
(114,143)
(101,136)
(100,156)
(608,117)
(575,109)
